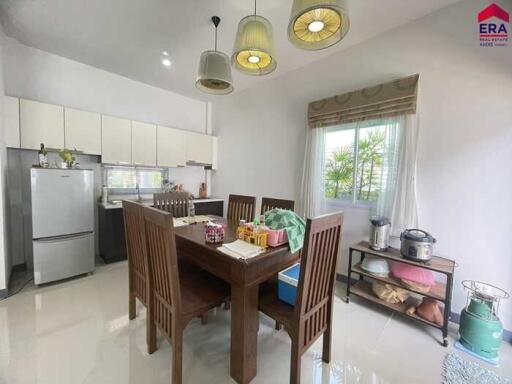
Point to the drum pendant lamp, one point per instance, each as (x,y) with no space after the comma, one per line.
(253,52)
(318,24)
(214,74)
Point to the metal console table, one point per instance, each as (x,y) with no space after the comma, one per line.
(363,288)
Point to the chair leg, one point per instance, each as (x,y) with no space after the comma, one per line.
(204,318)
(295,364)
(326,349)
(177,355)
(150,331)
(132,306)
(227,305)
(278,326)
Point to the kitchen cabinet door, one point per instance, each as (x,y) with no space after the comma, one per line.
(12,121)
(171,147)
(143,143)
(82,131)
(116,140)
(199,148)
(41,123)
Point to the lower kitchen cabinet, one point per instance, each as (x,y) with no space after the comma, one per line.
(209,208)
(112,239)
(111,234)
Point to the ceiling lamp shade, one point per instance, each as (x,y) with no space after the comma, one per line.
(253,53)
(318,24)
(214,73)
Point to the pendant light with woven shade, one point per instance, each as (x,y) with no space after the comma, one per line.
(318,24)
(253,53)
(214,74)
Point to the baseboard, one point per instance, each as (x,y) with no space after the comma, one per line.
(454,317)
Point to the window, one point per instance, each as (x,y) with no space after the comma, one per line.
(357,166)
(128,179)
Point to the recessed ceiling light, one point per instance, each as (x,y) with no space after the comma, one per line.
(165,53)
(166,62)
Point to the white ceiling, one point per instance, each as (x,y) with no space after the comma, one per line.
(127,36)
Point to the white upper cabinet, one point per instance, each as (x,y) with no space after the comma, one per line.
(116,140)
(12,121)
(199,148)
(41,123)
(82,131)
(143,143)
(171,147)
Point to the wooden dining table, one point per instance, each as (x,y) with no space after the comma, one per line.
(245,277)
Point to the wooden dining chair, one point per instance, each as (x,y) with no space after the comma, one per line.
(174,298)
(241,208)
(173,202)
(268,203)
(136,251)
(311,317)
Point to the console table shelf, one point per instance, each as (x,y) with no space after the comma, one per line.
(441,292)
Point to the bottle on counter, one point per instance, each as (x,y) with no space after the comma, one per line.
(104,195)
(43,157)
(191,211)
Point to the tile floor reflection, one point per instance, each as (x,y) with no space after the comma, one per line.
(77,332)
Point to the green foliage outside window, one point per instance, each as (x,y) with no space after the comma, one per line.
(344,182)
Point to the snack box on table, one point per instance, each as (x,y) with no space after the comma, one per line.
(287,284)
(276,237)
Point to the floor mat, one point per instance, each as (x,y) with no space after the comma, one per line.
(456,370)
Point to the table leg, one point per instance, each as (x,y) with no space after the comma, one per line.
(244,332)
(349,273)
(447,307)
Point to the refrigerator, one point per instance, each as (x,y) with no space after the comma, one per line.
(62,223)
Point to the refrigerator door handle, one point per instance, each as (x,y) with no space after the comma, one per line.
(63,237)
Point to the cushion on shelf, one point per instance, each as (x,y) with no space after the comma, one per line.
(412,273)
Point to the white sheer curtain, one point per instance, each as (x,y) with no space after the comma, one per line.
(312,193)
(404,212)
(397,197)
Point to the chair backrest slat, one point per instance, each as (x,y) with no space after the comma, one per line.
(136,246)
(268,203)
(175,203)
(317,275)
(162,256)
(241,207)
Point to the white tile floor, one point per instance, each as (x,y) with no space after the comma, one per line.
(78,332)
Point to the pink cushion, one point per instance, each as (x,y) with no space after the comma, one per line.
(410,272)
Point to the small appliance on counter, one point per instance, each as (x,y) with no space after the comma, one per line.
(379,233)
(480,328)
(417,245)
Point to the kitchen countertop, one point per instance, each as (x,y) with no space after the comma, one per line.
(150,203)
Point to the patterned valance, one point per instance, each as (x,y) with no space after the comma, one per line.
(397,97)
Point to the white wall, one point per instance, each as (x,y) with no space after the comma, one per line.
(465,147)
(34,74)
(5,264)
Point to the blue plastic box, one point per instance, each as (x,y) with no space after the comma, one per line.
(287,284)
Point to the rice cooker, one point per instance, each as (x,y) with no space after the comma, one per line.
(379,233)
(417,245)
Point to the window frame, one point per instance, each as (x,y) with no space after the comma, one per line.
(137,170)
(356,126)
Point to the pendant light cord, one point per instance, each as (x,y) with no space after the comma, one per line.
(255,7)
(215,38)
